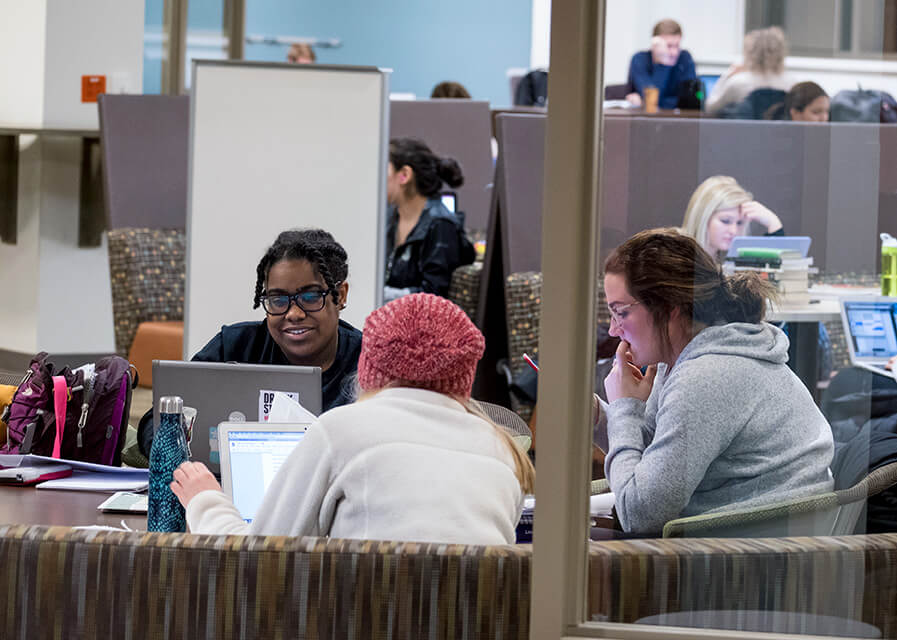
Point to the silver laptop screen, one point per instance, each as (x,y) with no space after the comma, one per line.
(872,329)
(255,457)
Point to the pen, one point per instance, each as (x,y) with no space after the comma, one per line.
(531,363)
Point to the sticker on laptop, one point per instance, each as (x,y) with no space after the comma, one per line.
(266,399)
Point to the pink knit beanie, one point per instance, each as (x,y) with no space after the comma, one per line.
(420,339)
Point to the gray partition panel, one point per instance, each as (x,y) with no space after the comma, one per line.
(835,183)
(766,158)
(521,146)
(145,142)
(459,129)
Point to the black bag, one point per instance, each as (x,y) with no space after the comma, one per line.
(691,94)
(862,105)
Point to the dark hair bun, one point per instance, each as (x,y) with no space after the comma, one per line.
(450,172)
(747,294)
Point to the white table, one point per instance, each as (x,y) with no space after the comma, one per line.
(824,306)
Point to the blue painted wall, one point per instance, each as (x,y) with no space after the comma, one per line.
(425,42)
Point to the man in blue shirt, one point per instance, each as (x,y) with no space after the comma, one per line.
(665,66)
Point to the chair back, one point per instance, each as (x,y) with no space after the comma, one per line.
(513,424)
(853,500)
(810,516)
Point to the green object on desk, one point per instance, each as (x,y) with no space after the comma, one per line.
(760,252)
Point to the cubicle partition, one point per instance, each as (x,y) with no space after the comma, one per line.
(459,129)
(805,172)
(144,141)
(274,147)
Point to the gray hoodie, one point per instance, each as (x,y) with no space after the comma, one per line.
(728,426)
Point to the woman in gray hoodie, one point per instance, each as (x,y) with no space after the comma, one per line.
(717,420)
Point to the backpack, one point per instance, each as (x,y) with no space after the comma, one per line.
(754,106)
(863,105)
(73,414)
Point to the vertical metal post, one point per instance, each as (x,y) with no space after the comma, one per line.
(174,29)
(570,239)
(235,28)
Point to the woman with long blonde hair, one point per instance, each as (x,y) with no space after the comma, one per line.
(721,209)
(763,68)
(412,460)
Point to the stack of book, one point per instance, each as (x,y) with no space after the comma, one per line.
(787,269)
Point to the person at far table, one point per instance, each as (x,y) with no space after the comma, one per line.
(425,242)
(804,102)
(720,209)
(301,53)
(666,65)
(717,420)
(450,89)
(763,67)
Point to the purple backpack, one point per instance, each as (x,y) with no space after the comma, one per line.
(74,414)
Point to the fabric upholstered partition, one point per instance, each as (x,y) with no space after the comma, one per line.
(629,580)
(63,583)
(87,584)
(147,271)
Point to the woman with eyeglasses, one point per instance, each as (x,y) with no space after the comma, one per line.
(301,284)
(302,287)
(717,420)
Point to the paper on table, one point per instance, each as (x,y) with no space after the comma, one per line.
(599,505)
(30,460)
(285,409)
(103,482)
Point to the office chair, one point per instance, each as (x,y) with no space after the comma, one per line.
(513,424)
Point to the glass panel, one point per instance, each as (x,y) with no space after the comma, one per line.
(153,46)
(207,37)
(749,464)
(827,28)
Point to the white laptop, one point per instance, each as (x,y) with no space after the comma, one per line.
(251,454)
(870,326)
(230,392)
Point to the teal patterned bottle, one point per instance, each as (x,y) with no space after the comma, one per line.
(169,450)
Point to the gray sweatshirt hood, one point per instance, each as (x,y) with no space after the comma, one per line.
(758,341)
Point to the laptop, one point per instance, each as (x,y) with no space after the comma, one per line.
(789,243)
(230,392)
(709,81)
(251,454)
(869,325)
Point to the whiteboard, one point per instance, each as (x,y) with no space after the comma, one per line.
(275,147)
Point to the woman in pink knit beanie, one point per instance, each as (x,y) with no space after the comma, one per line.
(412,460)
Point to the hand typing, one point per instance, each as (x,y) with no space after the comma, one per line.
(190,479)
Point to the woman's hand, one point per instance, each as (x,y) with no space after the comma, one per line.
(625,380)
(191,478)
(756,212)
(634,99)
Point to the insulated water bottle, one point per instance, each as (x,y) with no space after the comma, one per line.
(169,450)
(888,265)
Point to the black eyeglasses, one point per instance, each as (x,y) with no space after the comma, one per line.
(308,301)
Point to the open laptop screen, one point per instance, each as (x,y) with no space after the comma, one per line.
(254,457)
(872,329)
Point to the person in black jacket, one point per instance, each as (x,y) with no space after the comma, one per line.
(302,286)
(425,242)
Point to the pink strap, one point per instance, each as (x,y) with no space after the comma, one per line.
(60,399)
